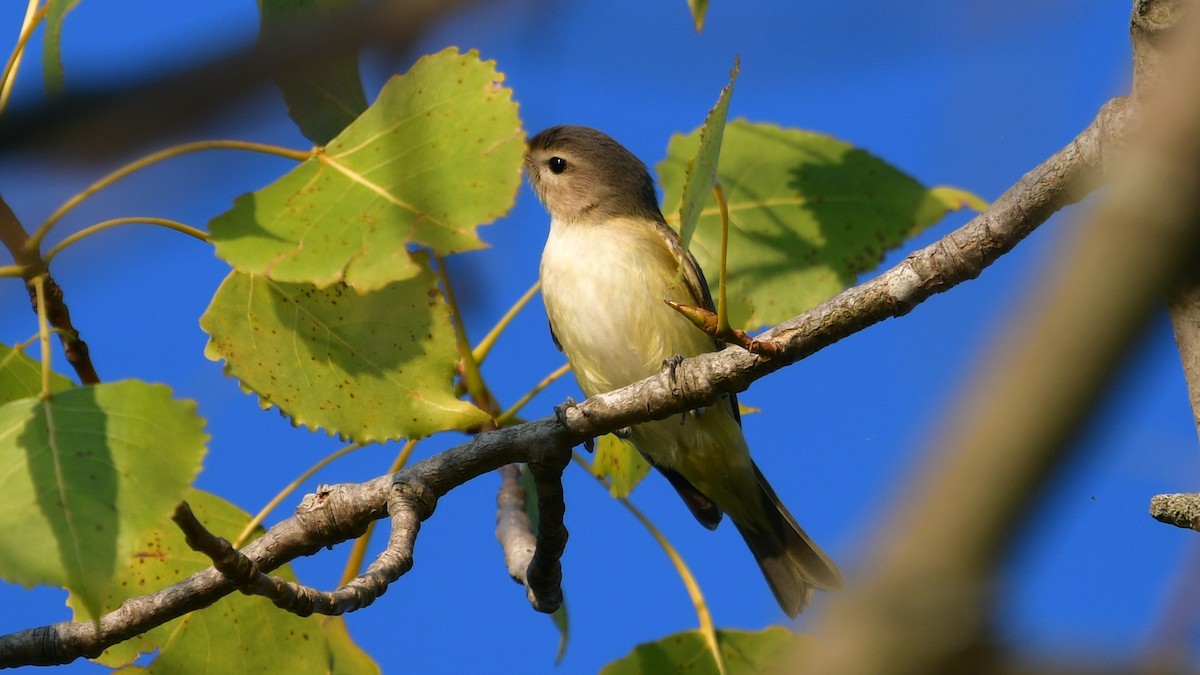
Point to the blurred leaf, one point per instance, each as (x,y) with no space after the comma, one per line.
(620,463)
(559,617)
(324,99)
(808,214)
(955,199)
(52,67)
(368,367)
(21,376)
(237,634)
(438,154)
(698,8)
(745,653)
(701,173)
(348,658)
(86,473)
(744,409)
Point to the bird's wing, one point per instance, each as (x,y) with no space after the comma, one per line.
(693,278)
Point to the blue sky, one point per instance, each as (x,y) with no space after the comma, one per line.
(968,94)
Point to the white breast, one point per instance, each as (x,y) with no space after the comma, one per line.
(604,289)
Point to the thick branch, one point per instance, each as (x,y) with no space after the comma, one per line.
(922,606)
(543,576)
(514,530)
(1180,510)
(1185,319)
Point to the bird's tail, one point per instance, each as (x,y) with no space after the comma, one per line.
(792,564)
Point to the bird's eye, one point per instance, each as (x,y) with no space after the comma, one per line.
(557,165)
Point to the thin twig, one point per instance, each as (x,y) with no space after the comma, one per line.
(102,122)
(14,238)
(154,158)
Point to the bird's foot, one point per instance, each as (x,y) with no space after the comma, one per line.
(670,365)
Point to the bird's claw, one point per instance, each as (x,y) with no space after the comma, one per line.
(670,365)
(560,410)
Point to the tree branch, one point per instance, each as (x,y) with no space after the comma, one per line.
(14,238)
(961,255)
(1180,510)
(514,530)
(923,603)
(344,511)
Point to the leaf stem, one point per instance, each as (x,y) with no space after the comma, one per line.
(33,16)
(291,487)
(39,285)
(471,376)
(359,552)
(485,345)
(107,224)
(505,418)
(175,151)
(685,574)
(722,308)
(11,270)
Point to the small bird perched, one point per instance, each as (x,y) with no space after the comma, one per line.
(610,262)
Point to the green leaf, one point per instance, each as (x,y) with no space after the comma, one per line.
(698,8)
(84,474)
(808,214)
(701,173)
(437,155)
(52,67)
(620,463)
(348,657)
(324,99)
(368,367)
(237,634)
(21,376)
(744,652)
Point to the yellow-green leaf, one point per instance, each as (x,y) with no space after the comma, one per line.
(808,214)
(744,652)
(368,367)
(21,376)
(52,68)
(324,99)
(84,474)
(348,657)
(620,463)
(701,173)
(698,8)
(237,634)
(438,154)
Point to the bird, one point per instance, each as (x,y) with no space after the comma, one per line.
(609,263)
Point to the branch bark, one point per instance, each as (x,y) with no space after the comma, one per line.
(14,238)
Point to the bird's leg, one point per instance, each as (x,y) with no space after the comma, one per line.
(670,365)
